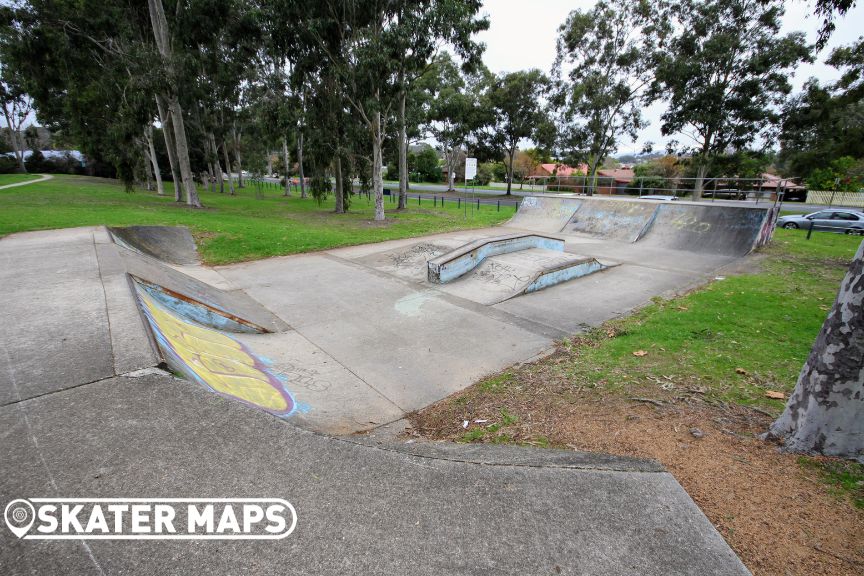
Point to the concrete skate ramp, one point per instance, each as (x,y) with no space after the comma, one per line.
(172,244)
(453,264)
(235,304)
(622,220)
(547,214)
(712,229)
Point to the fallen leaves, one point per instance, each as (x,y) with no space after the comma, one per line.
(640,353)
(775,395)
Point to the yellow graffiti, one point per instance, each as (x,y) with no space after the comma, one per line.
(219,361)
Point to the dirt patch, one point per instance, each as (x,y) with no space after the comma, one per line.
(777,515)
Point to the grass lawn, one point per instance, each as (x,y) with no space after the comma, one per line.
(686,381)
(229,228)
(15,178)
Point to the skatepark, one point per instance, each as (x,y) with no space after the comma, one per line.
(126,357)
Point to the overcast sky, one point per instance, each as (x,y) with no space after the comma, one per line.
(522,35)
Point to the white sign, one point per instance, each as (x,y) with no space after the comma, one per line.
(470,168)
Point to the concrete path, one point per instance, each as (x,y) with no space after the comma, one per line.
(83,414)
(43,178)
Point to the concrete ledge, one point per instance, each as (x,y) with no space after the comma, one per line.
(456,263)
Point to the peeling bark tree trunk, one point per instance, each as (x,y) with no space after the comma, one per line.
(825,414)
(168,134)
(286,159)
(377,182)
(510,154)
(300,166)
(228,165)
(163,43)
(237,160)
(339,195)
(151,149)
(403,154)
(699,185)
(217,165)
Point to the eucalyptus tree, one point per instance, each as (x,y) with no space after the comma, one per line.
(453,113)
(603,69)
(17,108)
(513,109)
(421,28)
(725,73)
(88,66)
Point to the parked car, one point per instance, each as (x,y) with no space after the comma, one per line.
(658,197)
(731,193)
(847,221)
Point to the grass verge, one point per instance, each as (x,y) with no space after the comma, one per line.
(256,223)
(692,382)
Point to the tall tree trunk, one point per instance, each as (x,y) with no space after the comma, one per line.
(286,160)
(211,178)
(14,137)
(160,32)
(237,160)
(825,413)
(148,178)
(269,163)
(402,144)
(377,182)
(701,171)
(300,172)
(339,195)
(217,165)
(151,149)
(168,134)
(228,164)
(510,154)
(451,170)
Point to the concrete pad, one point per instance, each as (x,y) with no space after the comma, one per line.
(54,329)
(410,344)
(361,510)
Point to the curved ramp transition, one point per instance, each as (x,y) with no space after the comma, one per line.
(171,244)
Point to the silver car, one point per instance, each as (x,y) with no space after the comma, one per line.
(848,221)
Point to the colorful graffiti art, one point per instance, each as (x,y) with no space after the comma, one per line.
(215,360)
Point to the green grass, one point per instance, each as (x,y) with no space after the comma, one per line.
(229,228)
(15,178)
(735,339)
(845,478)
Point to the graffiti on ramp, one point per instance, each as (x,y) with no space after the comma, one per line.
(215,360)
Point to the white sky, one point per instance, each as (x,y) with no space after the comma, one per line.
(522,35)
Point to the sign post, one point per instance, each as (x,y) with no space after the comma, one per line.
(470,174)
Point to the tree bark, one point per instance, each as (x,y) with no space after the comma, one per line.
(168,134)
(340,196)
(160,31)
(377,182)
(698,186)
(14,137)
(228,165)
(300,172)
(286,159)
(217,165)
(510,154)
(402,144)
(237,160)
(825,413)
(151,149)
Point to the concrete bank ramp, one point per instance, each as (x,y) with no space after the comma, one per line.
(712,229)
(506,276)
(171,244)
(621,220)
(547,214)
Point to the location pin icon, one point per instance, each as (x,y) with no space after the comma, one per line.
(19,515)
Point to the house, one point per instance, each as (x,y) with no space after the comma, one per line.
(552,170)
(614,181)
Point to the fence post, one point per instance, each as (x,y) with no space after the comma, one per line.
(499,205)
